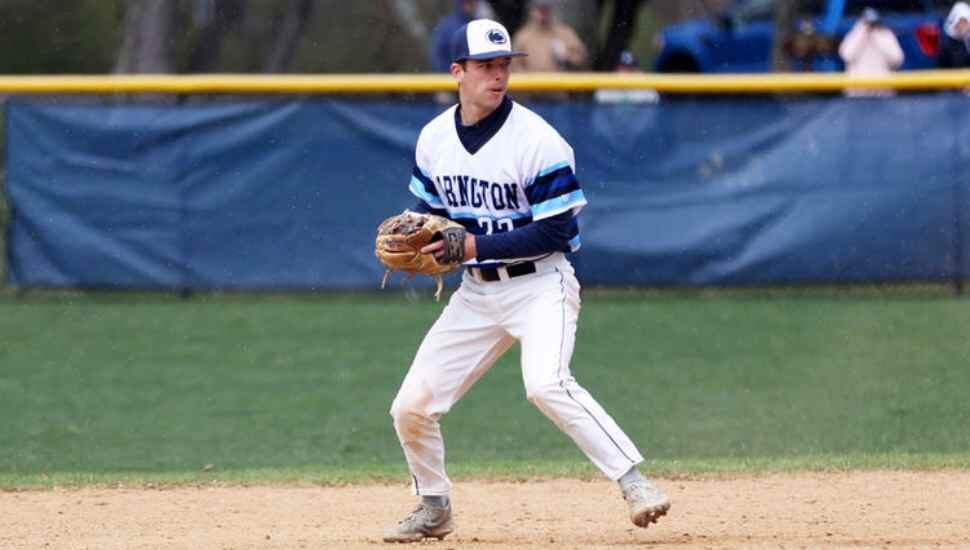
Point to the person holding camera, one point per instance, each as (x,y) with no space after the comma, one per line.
(955,46)
(870,49)
(552,45)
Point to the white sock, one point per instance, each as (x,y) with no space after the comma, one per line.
(632,476)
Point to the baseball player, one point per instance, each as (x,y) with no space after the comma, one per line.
(507,177)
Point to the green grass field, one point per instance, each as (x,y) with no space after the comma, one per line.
(98,388)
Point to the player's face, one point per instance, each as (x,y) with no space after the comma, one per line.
(483,83)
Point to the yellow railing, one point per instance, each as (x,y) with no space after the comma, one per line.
(417,83)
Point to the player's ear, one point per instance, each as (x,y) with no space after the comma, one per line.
(458,71)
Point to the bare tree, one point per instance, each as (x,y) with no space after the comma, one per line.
(213,19)
(410,19)
(148,46)
(785,14)
(669,11)
(288,31)
(622,25)
(584,16)
(512,13)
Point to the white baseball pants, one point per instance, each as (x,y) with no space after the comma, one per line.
(481,321)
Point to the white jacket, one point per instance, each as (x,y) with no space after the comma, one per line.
(870,51)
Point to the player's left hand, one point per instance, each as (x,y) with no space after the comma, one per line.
(422,243)
(437,249)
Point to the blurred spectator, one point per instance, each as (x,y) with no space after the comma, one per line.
(955,49)
(440,53)
(627,64)
(808,48)
(870,49)
(551,45)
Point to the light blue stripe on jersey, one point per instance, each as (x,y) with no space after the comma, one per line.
(558,204)
(574,243)
(417,188)
(470,215)
(552,168)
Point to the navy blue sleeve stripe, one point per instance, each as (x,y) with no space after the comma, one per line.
(546,179)
(425,180)
(556,183)
(562,186)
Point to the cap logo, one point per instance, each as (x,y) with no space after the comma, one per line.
(496,36)
(482,39)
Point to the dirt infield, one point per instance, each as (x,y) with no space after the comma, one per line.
(830,510)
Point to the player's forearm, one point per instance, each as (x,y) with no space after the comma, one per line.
(541,237)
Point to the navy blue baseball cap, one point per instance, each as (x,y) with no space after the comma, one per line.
(481,39)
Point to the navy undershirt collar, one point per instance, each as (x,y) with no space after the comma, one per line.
(477,135)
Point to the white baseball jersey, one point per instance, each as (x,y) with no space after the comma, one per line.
(523,173)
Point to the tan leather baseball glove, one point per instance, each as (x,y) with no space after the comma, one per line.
(401,237)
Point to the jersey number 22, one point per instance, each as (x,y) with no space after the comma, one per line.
(500,225)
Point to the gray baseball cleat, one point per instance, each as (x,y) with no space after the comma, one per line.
(647,503)
(424,522)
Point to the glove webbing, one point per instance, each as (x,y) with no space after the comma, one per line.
(439,280)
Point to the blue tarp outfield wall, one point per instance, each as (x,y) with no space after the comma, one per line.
(287,194)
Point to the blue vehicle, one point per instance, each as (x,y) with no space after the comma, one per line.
(740,39)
